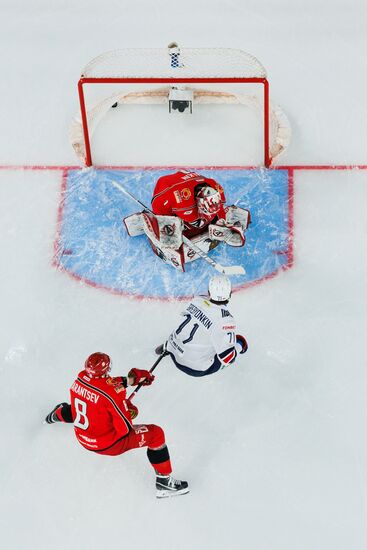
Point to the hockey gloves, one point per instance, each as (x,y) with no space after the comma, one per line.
(233,235)
(241,340)
(140,376)
(132,409)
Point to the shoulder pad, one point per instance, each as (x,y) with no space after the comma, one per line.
(202,299)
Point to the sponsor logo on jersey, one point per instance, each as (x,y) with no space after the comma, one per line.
(229,327)
(174,344)
(117,383)
(85,444)
(185,193)
(177,196)
(225,313)
(87,438)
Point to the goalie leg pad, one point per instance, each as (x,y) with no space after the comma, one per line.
(134,224)
(175,258)
(170,231)
(150,226)
(204,242)
(171,256)
(167,230)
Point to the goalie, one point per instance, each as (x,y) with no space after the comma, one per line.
(186,203)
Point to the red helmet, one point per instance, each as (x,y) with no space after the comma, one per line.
(208,201)
(97,365)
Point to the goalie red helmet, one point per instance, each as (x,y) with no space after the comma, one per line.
(220,288)
(208,201)
(97,365)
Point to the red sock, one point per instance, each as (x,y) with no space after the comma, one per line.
(164,468)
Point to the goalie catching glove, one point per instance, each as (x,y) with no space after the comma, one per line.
(139,376)
(232,235)
(231,230)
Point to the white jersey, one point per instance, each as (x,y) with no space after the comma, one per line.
(207,333)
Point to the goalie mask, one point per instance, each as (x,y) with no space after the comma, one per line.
(97,365)
(208,202)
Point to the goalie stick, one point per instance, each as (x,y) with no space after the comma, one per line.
(226,270)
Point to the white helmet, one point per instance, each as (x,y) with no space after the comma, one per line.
(220,288)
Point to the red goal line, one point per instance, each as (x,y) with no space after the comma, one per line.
(288,167)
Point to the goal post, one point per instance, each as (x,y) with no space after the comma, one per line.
(181,68)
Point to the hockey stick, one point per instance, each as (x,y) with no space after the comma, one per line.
(226,270)
(132,395)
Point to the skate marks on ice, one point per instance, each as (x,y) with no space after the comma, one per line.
(92,244)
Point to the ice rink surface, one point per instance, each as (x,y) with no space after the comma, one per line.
(274,448)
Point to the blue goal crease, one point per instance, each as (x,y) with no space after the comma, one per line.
(94,245)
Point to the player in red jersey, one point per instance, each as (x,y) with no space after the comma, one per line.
(188,205)
(102,417)
(197,200)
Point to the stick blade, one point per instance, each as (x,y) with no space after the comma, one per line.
(231,269)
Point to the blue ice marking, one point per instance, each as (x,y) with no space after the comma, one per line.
(95,246)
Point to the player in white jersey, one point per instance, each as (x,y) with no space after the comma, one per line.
(206,340)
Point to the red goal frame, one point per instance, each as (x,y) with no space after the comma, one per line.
(89,80)
(179,66)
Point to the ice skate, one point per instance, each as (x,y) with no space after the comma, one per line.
(167,486)
(52,417)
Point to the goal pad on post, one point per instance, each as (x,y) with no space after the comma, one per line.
(178,72)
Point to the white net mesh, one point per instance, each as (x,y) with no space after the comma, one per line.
(280,131)
(175,62)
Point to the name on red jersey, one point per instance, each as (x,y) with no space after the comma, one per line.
(83,392)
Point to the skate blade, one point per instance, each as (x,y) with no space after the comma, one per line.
(167,494)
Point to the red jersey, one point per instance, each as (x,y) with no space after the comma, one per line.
(174,195)
(99,410)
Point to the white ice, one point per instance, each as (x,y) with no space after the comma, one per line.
(274,449)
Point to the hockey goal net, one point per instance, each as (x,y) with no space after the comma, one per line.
(177,68)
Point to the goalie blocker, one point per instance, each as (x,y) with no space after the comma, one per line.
(165,234)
